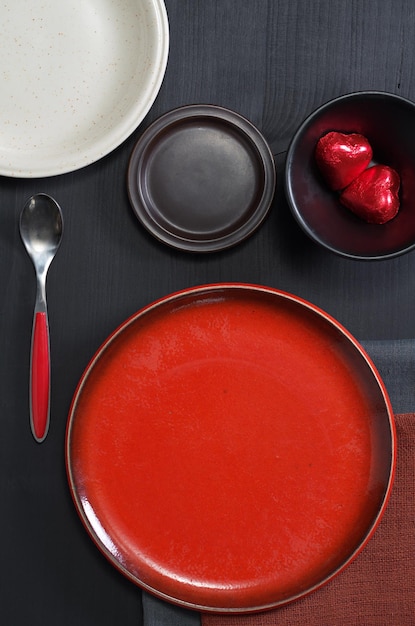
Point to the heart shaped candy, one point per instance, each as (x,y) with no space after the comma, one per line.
(373,195)
(342,157)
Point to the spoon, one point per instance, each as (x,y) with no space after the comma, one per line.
(41,228)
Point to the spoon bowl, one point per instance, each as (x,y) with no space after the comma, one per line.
(41,229)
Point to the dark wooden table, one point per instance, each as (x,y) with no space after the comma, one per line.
(273,61)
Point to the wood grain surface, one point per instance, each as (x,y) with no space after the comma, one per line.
(273,61)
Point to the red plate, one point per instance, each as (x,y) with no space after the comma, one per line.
(230,448)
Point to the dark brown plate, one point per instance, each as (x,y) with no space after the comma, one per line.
(201,178)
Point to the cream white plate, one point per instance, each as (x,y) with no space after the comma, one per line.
(77,78)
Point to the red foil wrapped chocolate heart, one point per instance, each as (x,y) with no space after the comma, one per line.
(342,157)
(373,195)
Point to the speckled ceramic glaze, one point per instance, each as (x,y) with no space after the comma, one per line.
(230,448)
(77,78)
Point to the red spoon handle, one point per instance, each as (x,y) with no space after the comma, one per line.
(40,377)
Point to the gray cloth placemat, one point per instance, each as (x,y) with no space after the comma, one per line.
(159,613)
(395,362)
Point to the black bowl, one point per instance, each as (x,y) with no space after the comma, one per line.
(388,122)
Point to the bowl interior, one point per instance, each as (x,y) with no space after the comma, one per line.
(388,122)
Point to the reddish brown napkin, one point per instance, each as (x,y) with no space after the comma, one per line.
(378,588)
